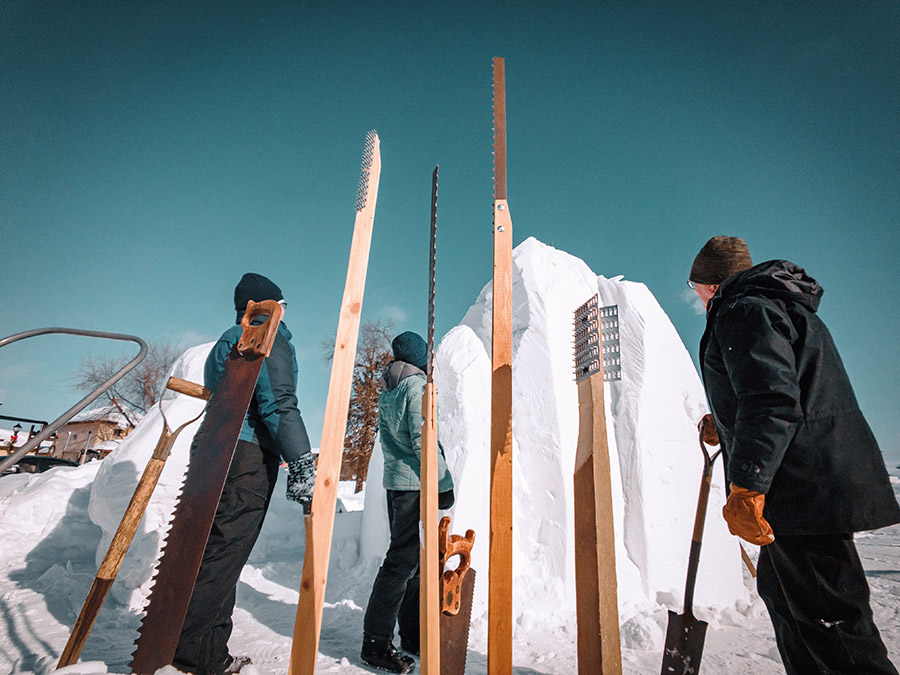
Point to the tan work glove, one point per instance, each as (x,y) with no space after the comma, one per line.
(708,432)
(744,514)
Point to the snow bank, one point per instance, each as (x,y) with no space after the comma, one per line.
(655,463)
(655,459)
(654,456)
(122,469)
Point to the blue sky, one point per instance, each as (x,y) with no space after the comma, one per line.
(152,152)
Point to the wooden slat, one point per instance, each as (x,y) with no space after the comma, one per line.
(501,540)
(320,523)
(124,535)
(599,649)
(429,576)
(112,561)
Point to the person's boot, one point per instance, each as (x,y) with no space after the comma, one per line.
(237,662)
(383,655)
(410,644)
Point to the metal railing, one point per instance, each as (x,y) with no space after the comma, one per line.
(51,428)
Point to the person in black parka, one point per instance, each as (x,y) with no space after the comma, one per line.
(804,469)
(272,431)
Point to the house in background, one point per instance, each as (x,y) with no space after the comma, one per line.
(94,433)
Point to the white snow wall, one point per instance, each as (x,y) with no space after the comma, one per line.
(654,454)
(119,474)
(655,458)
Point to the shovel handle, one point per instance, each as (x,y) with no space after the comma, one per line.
(699,517)
(180,386)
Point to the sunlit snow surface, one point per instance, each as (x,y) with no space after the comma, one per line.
(55,527)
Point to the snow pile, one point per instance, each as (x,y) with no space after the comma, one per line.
(121,470)
(656,462)
(52,549)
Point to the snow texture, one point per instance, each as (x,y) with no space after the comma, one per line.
(56,526)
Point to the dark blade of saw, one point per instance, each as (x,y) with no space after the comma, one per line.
(499,130)
(432,261)
(211,454)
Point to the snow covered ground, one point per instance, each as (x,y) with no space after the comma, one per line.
(55,527)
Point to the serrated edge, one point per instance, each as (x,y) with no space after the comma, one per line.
(432,267)
(362,194)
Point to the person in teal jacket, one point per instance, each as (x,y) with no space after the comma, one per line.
(272,432)
(395,593)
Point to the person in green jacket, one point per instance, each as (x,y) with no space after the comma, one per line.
(395,593)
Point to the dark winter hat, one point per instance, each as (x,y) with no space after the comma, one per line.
(411,348)
(254,287)
(720,258)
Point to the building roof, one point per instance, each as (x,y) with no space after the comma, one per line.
(107,413)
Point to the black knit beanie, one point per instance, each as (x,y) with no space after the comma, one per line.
(254,287)
(410,348)
(720,258)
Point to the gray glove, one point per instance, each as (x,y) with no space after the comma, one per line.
(301,479)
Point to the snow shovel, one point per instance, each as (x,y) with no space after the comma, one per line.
(115,554)
(686,634)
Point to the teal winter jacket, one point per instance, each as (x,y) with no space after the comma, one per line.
(400,428)
(273,420)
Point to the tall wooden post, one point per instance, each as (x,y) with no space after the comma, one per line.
(429,571)
(501,540)
(597,612)
(320,522)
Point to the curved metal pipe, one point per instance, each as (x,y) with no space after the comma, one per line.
(51,428)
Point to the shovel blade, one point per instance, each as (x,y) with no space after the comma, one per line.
(685,636)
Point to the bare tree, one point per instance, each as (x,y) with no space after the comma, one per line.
(139,388)
(373,354)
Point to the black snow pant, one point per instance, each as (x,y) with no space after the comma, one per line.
(815,589)
(395,593)
(203,644)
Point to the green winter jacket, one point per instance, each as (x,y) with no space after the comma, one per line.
(400,428)
(273,420)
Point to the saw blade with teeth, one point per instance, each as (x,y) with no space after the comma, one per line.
(210,458)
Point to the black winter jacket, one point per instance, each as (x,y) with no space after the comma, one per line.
(785,410)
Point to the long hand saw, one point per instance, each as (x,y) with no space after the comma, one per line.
(211,454)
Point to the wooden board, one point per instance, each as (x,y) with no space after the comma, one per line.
(430,574)
(500,585)
(597,613)
(320,523)
(501,536)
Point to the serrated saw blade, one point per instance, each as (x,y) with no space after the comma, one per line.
(499,129)
(432,262)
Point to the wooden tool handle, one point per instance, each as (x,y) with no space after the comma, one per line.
(189,388)
(258,340)
(461,546)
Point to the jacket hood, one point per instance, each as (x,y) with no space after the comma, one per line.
(776,279)
(398,371)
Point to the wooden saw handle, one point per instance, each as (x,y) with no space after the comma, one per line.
(258,340)
(451,580)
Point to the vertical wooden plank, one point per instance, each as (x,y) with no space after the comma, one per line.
(501,539)
(429,575)
(500,577)
(599,649)
(320,523)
